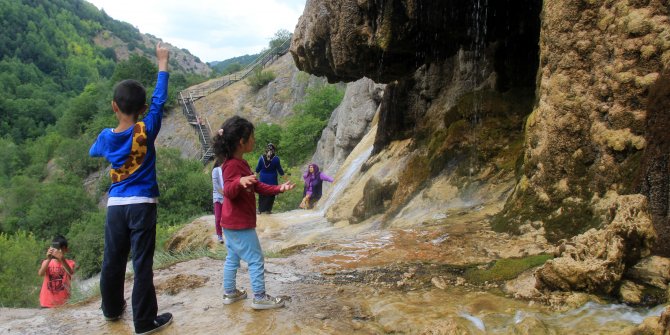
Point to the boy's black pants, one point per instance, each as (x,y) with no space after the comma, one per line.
(130,227)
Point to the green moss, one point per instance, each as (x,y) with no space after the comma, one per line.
(504,269)
(573,220)
(415,174)
(510,158)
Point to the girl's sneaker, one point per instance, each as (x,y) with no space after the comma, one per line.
(267,302)
(235,296)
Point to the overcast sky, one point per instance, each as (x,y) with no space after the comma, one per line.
(213,30)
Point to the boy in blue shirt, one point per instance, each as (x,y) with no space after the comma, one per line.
(131,208)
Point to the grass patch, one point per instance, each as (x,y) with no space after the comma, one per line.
(504,269)
(81,295)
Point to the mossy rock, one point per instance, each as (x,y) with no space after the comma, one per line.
(504,269)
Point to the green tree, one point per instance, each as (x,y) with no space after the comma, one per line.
(232,68)
(300,137)
(303,130)
(73,157)
(265,133)
(16,202)
(320,101)
(55,207)
(185,189)
(87,242)
(11,159)
(280,37)
(138,68)
(20,255)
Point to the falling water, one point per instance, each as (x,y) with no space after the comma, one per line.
(343,180)
(479,30)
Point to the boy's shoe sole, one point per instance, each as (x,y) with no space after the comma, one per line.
(160,323)
(268,304)
(118,317)
(230,298)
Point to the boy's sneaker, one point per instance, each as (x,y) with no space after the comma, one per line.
(161,322)
(235,296)
(267,302)
(118,317)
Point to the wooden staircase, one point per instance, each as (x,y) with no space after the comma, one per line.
(187,98)
(202,127)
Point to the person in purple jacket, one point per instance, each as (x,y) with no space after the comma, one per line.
(313,186)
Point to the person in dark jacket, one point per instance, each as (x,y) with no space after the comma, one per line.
(268,167)
(313,186)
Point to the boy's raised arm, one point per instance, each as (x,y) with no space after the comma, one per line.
(158,99)
(163,56)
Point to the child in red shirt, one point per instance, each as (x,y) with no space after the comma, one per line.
(238,212)
(57,272)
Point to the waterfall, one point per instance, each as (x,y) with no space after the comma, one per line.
(343,180)
(479,18)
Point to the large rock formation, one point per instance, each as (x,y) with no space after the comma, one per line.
(587,75)
(461,78)
(348,123)
(591,126)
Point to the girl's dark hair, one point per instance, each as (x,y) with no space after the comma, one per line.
(228,137)
(60,240)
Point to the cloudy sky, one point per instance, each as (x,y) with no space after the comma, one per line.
(213,30)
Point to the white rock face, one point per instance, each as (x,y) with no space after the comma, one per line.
(348,124)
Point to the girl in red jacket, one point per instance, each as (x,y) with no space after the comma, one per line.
(238,212)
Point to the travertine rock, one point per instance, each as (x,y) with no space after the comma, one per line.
(596,260)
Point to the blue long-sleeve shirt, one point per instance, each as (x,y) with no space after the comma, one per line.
(132,152)
(268,172)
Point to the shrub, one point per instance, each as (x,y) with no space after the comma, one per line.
(20,256)
(55,207)
(86,243)
(303,129)
(259,79)
(73,157)
(265,133)
(300,138)
(290,200)
(184,187)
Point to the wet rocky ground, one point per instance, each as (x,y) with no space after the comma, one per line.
(439,278)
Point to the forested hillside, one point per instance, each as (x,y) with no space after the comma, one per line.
(59,60)
(232,65)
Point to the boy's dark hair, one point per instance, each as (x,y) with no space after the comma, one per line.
(234,129)
(130,96)
(61,240)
